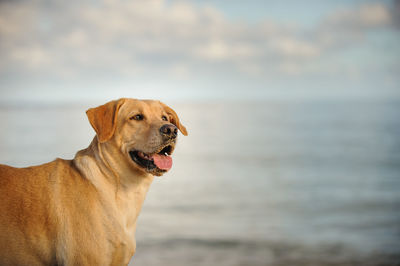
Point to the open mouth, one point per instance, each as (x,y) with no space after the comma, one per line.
(155,163)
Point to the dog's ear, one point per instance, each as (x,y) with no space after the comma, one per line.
(104,119)
(174,118)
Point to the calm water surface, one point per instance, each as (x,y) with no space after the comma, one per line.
(268,183)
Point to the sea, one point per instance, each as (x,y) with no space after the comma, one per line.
(268,182)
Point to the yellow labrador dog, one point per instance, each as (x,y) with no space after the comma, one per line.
(84,211)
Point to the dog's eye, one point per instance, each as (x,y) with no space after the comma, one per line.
(164,118)
(137,117)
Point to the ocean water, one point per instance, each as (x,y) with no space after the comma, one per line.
(262,183)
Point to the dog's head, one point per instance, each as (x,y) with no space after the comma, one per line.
(144,132)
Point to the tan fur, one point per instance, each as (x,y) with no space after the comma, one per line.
(83,211)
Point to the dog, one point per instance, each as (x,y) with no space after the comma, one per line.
(84,211)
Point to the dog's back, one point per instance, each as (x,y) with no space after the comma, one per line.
(34,204)
(24,236)
(52,215)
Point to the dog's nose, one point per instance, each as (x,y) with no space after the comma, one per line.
(169,130)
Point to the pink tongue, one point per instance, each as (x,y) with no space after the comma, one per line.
(162,161)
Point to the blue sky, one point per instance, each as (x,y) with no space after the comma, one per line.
(190,50)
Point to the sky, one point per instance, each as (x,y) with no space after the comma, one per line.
(77,51)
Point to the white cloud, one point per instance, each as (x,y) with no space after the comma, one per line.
(222,50)
(177,38)
(366,17)
(295,48)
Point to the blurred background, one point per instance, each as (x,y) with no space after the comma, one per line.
(292,108)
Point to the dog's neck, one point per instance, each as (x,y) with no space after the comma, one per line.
(105,169)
